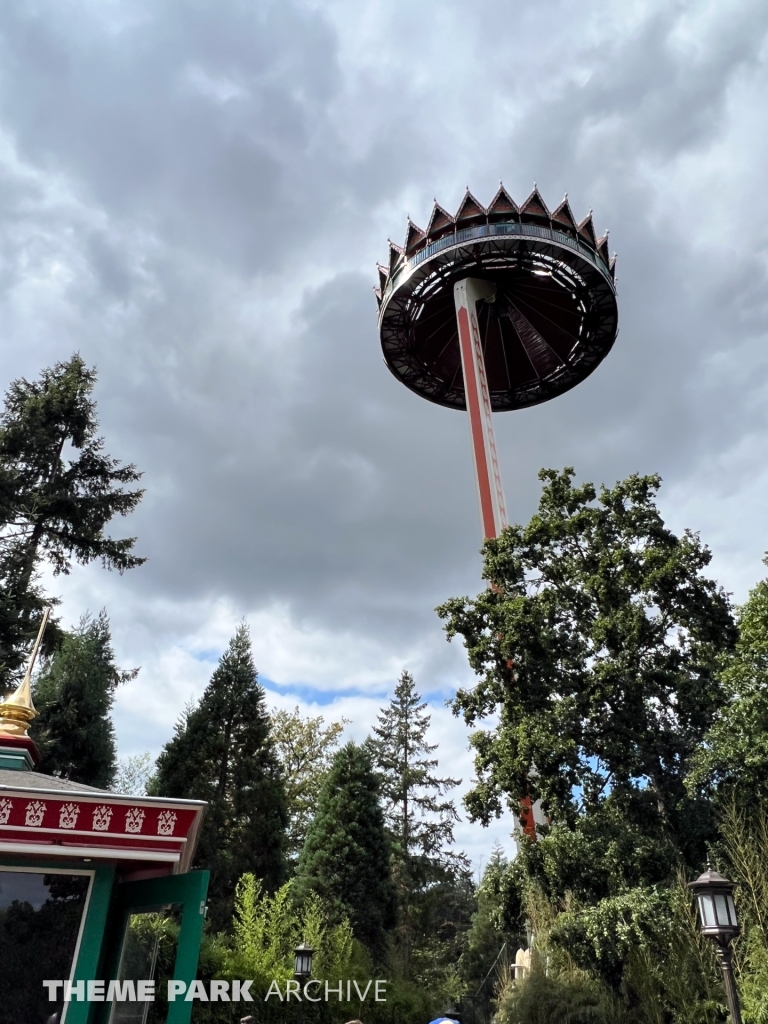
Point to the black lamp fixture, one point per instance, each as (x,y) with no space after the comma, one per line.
(302,961)
(717,914)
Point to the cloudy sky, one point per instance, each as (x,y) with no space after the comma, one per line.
(194,195)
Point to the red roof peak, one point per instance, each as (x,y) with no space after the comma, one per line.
(502,204)
(534,205)
(563,216)
(439,221)
(414,236)
(469,209)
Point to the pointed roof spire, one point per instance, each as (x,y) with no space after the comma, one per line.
(602,248)
(439,221)
(17,711)
(469,209)
(414,236)
(612,265)
(563,216)
(502,206)
(587,230)
(534,205)
(395,255)
(383,276)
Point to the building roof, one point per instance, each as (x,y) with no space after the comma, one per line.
(10,778)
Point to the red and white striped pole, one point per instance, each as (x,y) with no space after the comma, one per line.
(490,491)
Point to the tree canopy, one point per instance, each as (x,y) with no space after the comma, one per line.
(223,752)
(419,817)
(58,492)
(305,749)
(598,645)
(345,859)
(74,695)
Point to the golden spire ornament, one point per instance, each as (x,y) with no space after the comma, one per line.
(17,711)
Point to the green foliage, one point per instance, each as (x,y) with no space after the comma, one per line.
(734,755)
(598,645)
(745,849)
(304,748)
(58,492)
(638,958)
(267,930)
(74,695)
(346,854)
(570,996)
(223,753)
(419,820)
(133,775)
(490,927)
(431,879)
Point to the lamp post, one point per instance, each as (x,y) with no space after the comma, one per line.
(717,913)
(302,970)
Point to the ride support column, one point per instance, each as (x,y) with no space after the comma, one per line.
(490,491)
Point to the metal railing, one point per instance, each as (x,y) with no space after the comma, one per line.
(495,231)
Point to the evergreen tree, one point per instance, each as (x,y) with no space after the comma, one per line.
(428,875)
(58,492)
(419,820)
(223,752)
(346,854)
(489,930)
(74,695)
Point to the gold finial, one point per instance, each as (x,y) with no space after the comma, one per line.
(17,711)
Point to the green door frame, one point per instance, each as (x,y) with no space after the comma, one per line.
(94,924)
(189,891)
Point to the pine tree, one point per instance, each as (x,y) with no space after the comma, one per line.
(223,752)
(420,821)
(426,872)
(346,854)
(74,695)
(58,492)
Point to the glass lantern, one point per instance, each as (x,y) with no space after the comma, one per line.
(717,911)
(302,962)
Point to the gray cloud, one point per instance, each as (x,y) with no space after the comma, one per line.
(194,196)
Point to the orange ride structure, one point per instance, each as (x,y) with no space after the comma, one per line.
(494,309)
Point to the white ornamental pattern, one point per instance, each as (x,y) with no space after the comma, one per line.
(68,815)
(5,810)
(166,822)
(35,813)
(134,819)
(102,815)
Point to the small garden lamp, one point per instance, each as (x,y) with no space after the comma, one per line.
(717,914)
(302,962)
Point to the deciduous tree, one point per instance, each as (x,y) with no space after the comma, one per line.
(305,748)
(598,645)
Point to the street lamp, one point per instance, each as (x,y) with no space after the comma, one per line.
(302,961)
(302,971)
(717,912)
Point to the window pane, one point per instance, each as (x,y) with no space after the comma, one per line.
(39,924)
(706,911)
(732,911)
(721,909)
(148,953)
